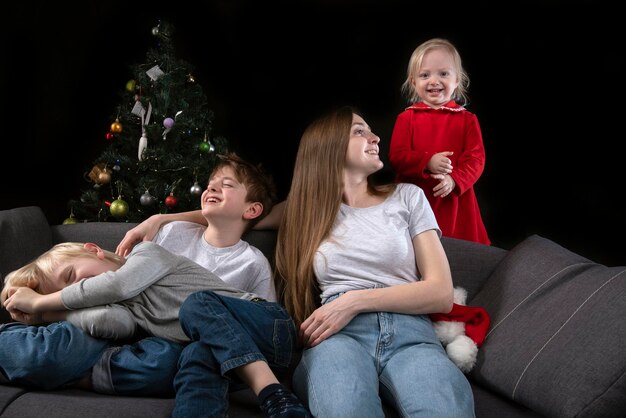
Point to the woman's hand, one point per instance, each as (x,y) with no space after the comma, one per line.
(327,320)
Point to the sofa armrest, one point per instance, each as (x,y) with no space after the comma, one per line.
(24,234)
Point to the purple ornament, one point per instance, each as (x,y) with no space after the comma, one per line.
(168,123)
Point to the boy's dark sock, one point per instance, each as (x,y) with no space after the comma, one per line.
(277,401)
(269,390)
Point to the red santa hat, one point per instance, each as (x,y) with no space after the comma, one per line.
(476,320)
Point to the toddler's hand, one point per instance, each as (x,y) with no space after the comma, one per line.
(440,163)
(445,186)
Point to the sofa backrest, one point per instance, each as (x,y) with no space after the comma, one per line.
(25,233)
(106,234)
(471,263)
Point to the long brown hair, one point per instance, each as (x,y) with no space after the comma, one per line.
(311,208)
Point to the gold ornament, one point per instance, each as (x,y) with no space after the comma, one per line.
(119,208)
(70,221)
(116,127)
(104,177)
(130,85)
(100,174)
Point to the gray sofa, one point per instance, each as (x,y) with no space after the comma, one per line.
(556,345)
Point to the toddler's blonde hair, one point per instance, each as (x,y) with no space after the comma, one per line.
(415,62)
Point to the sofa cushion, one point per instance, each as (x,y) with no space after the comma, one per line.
(76,403)
(557,342)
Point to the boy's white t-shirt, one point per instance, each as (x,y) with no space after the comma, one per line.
(242,265)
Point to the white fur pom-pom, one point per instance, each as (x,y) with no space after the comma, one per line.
(462,351)
(460,295)
(447,331)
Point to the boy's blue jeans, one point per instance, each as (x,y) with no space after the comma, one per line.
(47,357)
(226,333)
(59,354)
(238,332)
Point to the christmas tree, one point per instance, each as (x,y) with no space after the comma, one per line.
(160,150)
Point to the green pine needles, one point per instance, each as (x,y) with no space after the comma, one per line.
(161,149)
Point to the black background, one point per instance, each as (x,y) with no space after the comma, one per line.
(547,83)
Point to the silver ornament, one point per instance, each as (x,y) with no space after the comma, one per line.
(147,199)
(155,31)
(196,189)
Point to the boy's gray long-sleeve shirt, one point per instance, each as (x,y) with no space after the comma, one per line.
(147,291)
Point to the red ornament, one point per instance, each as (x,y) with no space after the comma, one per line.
(109,136)
(171,201)
(108,203)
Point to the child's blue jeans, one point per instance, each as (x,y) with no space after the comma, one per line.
(227,333)
(58,354)
(47,357)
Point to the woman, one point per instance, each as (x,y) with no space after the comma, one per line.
(359,268)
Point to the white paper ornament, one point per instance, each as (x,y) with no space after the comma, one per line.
(155,73)
(143,141)
(143,144)
(138,109)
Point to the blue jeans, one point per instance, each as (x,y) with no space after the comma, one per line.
(226,333)
(383,355)
(47,357)
(144,368)
(58,354)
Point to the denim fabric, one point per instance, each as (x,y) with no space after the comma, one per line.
(54,355)
(226,333)
(383,355)
(144,368)
(47,357)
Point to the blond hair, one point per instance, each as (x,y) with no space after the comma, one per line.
(311,208)
(415,63)
(41,269)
